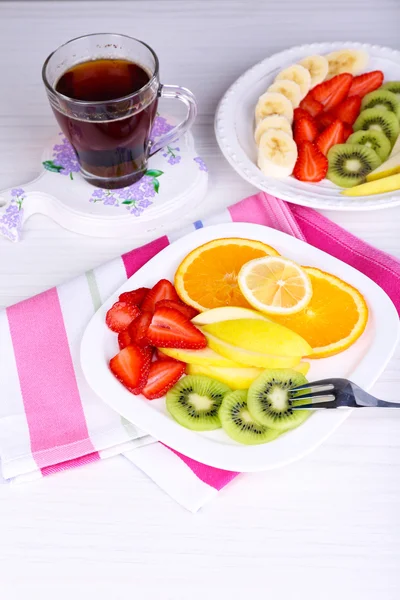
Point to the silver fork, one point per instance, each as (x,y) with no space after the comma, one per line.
(334,393)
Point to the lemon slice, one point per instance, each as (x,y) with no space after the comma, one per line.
(275,285)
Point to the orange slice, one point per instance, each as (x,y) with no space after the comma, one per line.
(275,285)
(208,276)
(333,320)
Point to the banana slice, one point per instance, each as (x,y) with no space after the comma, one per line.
(277,153)
(317,66)
(272,122)
(288,88)
(346,61)
(272,103)
(299,75)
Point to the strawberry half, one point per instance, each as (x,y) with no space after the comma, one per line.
(330,93)
(300,113)
(334,134)
(186,310)
(368,82)
(138,329)
(163,290)
(121,315)
(124,339)
(169,328)
(135,296)
(311,105)
(305,130)
(347,131)
(311,164)
(348,110)
(131,367)
(162,377)
(324,120)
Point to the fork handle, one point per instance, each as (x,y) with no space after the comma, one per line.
(384,404)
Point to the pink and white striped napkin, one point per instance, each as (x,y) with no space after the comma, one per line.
(50,420)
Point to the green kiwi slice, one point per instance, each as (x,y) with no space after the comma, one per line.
(376,140)
(269,402)
(392,86)
(195,400)
(382,99)
(379,120)
(239,424)
(350,163)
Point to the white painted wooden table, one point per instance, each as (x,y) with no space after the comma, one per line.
(325,527)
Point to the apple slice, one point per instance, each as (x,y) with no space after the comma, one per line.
(227,313)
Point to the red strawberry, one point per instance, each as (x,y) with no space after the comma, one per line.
(138,329)
(121,315)
(300,113)
(186,310)
(368,82)
(161,356)
(163,290)
(348,110)
(134,297)
(162,376)
(347,131)
(311,164)
(324,120)
(169,328)
(305,130)
(310,104)
(331,136)
(330,93)
(131,367)
(124,339)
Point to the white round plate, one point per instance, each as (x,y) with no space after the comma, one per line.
(234,127)
(362,363)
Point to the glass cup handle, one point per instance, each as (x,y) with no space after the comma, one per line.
(185,96)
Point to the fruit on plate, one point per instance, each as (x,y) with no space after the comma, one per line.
(365,83)
(163,290)
(319,324)
(188,311)
(131,367)
(163,375)
(138,329)
(299,75)
(300,113)
(269,402)
(317,66)
(277,153)
(272,122)
(310,105)
(390,167)
(226,313)
(348,110)
(264,337)
(311,164)
(380,186)
(305,130)
(396,147)
(350,163)
(124,339)
(288,88)
(275,285)
(135,296)
(392,86)
(205,356)
(382,99)
(207,276)
(332,92)
(376,140)
(169,328)
(332,135)
(273,103)
(239,424)
(379,120)
(121,315)
(195,400)
(346,61)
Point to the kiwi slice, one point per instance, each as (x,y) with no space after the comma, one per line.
(238,422)
(382,99)
(269,401)
(376,140)
(379,120)
(195,400)
(349,164)
(392,86)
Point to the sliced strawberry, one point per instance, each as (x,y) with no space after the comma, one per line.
(135,296)
(300,113)
(348,110)
(169,328)
(138,329)
(311,164)
(305,130)
(186,310)
(311,105)
(334,134)
(163,290)
(162,376)
(324,120)
(121,315)
(161,356)
(330,93)
(368,82)
(347,131)
(124,339)
(131,367)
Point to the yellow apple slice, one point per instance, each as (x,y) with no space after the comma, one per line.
(226,313)
(205,356)
(380,186)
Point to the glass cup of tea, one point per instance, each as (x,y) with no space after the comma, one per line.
(104,89)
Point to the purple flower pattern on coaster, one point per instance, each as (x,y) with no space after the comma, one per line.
(201,163)
(160,127)
(64,159)
(172,156)
(11,220)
